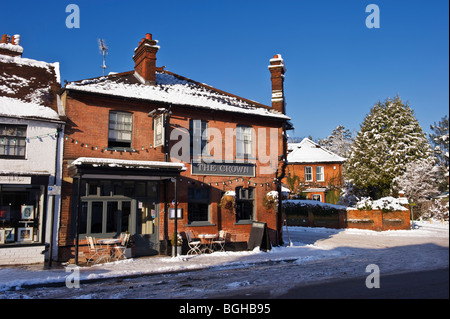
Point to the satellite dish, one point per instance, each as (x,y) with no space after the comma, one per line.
(103,51)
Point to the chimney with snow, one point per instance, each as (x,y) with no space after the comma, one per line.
(277,71)
(10,45)
(145,59)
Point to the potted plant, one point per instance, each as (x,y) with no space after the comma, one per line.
(228,200)
(179,239)
(270,200)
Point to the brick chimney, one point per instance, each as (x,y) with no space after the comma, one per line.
(145,59)
(10,45)
(277,71)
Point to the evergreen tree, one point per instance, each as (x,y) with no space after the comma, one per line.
(439,140)
(390,137)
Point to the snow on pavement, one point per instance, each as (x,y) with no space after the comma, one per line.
(307,245)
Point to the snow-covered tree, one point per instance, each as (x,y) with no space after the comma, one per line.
(439,140)
(420,180)
(438,210)
(390,137)
(339,142)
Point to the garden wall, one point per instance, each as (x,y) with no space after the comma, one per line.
(315,214)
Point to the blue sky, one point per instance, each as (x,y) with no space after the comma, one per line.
(337,68)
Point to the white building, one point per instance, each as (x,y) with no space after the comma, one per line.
(31,137)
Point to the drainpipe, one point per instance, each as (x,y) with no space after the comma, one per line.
(176,217)
(54,208)
(77,220)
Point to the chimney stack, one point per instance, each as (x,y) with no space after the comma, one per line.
(277,71)
(11,45)
(145,59)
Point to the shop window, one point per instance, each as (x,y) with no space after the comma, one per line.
(13,141)
(308,174)
(198,204)
(20,215)
(105,217)
(245,203)
(120,130)
(109,207)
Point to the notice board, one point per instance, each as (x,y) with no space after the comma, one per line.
(259,237)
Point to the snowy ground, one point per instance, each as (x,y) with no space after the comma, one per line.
(314,254)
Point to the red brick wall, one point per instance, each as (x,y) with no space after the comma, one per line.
(377,220)
(87,136)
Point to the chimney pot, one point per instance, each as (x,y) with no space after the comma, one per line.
(148,36)
(4,38)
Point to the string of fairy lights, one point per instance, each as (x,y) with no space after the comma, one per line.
(250,181)
(15,139)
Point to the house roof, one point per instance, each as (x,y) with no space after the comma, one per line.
(11,107)
(309,152)
(28,81)
(173,89)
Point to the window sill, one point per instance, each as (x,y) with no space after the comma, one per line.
(244,222)
(199,224)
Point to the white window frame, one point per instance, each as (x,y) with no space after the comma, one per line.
(320,174)
(118,129)
(244,142)
(308,174)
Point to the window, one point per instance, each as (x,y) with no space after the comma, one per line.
(120,130)
(102,217)
(110,207)
(244,145)
(198,204)
(245,198)
(316,197)
(198,131)
(319,174)
(13,141)
(308,174)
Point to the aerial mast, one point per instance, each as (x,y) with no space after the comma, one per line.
(103,51)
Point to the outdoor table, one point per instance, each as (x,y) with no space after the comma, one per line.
(108,242)
(208,238)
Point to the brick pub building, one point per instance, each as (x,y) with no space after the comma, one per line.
(136,141)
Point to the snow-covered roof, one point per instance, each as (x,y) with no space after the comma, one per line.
(11,107)
(28,86)
(110,162)
(309,152)
(174,89)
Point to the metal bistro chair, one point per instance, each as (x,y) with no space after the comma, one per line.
(220,241)
(120,250)
(96,252)
(194,245)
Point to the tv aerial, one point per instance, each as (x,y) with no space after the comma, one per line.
(103,51)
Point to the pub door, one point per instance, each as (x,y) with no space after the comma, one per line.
(146,240)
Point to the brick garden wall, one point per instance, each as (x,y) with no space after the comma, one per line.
(350,218)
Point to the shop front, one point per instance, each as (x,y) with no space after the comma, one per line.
(111,197)
(22,218)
